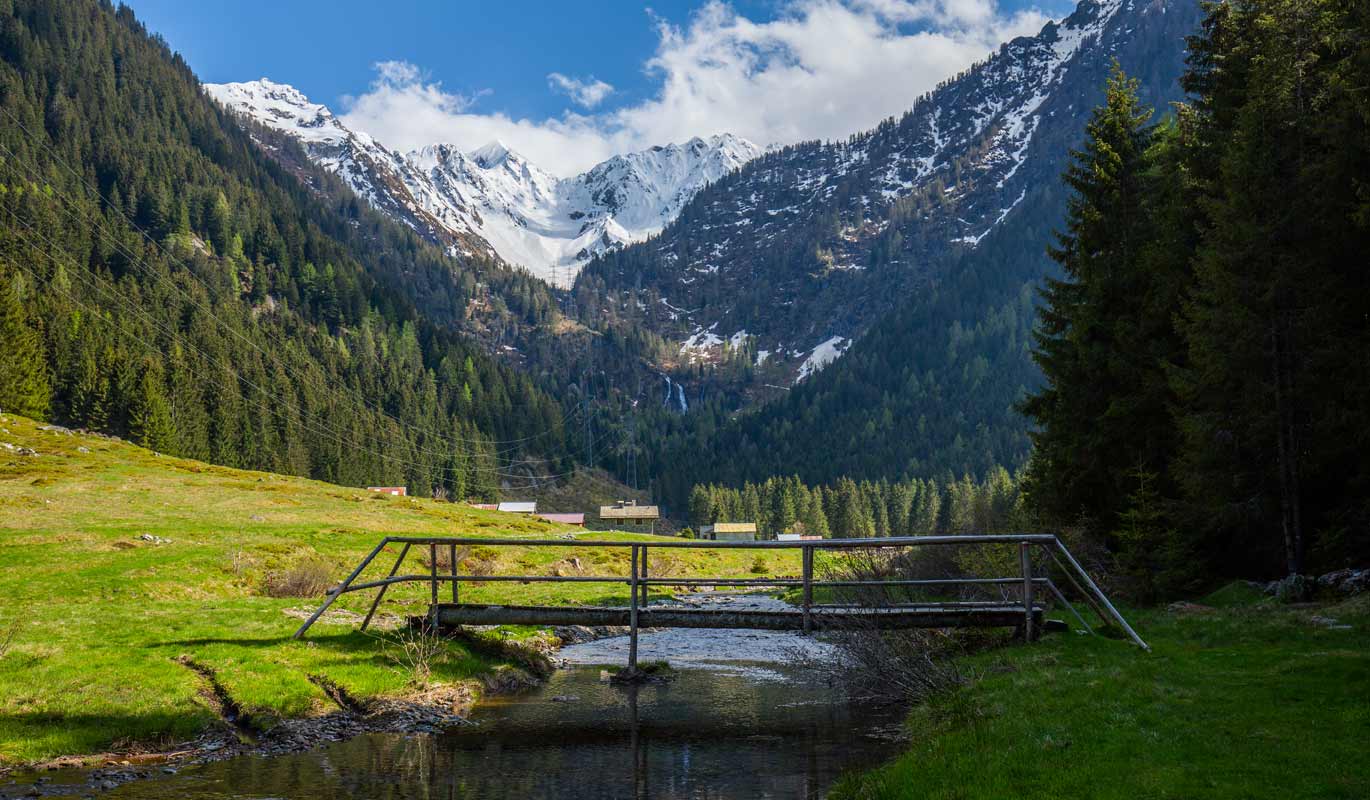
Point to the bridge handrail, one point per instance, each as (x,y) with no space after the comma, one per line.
(1070,567)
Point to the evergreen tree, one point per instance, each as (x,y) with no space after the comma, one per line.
(1273,403)
(151,418)
(24,387)
(1087,436)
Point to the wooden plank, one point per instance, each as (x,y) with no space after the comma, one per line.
(921,616)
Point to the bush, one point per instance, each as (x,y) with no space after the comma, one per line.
(7,637)
(413,651)
(310,576)
(478,561)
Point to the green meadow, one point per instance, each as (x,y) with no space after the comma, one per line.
(1245,699)
(116,563)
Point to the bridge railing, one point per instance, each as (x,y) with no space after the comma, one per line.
(639,581)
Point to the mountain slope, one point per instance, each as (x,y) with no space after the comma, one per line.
(190,293)
(492,200)
(805,248)
(938,295)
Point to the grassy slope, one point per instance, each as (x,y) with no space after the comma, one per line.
(1245,702)
(104,614)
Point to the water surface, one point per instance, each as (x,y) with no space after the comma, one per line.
(740,720)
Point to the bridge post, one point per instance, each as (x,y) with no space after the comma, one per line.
(808,589)
(381,594)
(644,576)
(1029,624)
(433,582)
(452,556)
(632,610)
(334,594)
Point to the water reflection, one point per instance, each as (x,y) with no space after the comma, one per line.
(704,735)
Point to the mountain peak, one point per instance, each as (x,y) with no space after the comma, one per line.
(280,106)
(492,154)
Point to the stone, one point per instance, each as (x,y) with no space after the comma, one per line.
(1185,607)
(1291,589)
(1346,582)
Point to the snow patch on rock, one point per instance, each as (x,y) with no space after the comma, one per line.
(823,355)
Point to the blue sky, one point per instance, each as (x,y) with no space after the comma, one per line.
(509,47)
(632,74)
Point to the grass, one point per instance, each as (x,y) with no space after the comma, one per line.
(1251,700)
(104,613)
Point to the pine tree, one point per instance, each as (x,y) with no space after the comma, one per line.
(1273,407)
(24,386)
(151,417)
(1084,443)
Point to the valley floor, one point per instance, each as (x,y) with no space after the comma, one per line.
(118,566)
(1238,700)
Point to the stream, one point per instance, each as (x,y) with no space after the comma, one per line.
(741,718)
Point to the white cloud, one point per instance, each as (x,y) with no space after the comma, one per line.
(822,69)
(584,93)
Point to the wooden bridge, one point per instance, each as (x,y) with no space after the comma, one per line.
(1025,611)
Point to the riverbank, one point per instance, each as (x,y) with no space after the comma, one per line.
(742,715)
(1239,698)
(148,601)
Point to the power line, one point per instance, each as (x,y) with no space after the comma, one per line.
(270,402)
(118,244)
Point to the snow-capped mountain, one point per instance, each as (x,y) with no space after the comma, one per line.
(378,175)
(810,244)
(554,225)
(492,199)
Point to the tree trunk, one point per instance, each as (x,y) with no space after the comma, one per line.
(1291,517)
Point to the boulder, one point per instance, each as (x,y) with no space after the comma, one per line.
(1345,582)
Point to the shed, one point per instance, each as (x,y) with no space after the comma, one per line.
(564,519)
(396,491)
(729,532)
(627,515)
(519,508)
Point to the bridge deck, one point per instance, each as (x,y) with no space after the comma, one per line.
(949,615)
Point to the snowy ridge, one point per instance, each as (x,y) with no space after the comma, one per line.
(939,178)
(380,176)
(492,199)
(554,225)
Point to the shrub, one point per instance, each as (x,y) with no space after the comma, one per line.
(310,576)
(476,561)
(7,638)
(413,651)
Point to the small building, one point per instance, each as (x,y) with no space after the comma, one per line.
(627,515)
(486,506)
(729,532)
(394,491)
(518,508)
(796,537)
(577,520)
